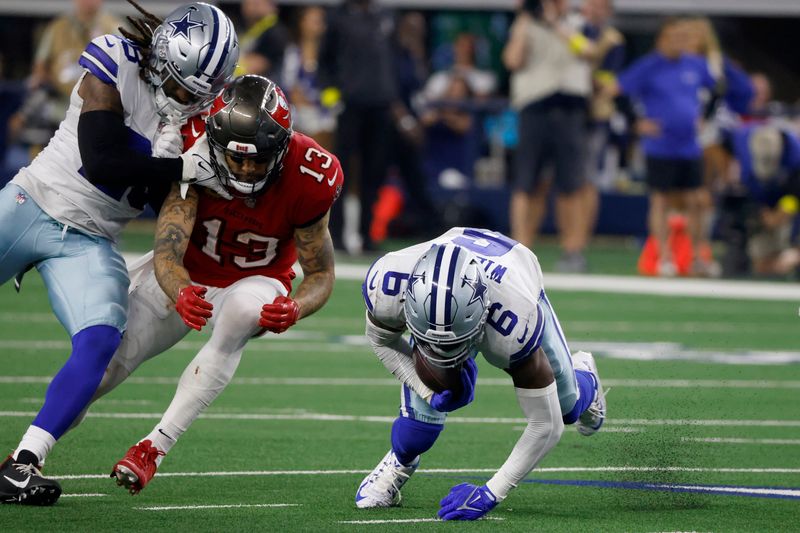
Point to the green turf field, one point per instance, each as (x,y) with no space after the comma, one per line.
(269,456)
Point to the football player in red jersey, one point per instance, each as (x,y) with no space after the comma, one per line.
(228,263)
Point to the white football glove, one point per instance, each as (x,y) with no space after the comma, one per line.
(169,142)
(198,170)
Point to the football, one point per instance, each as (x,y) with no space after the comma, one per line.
(438,379)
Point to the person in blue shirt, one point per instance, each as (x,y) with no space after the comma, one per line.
(769,163)
(666,84)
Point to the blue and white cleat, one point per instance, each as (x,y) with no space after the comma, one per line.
(592,419)
(381,488)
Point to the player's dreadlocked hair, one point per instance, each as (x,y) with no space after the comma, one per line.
(143,36)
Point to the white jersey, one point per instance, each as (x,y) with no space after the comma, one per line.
(56,178)
(515,324)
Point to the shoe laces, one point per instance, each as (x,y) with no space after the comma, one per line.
(146,453)
(389,483)
(27,469)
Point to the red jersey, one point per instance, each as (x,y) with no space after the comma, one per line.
(234,239)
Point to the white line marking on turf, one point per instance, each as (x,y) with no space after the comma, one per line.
(724,289)
(734,440)
(355,344)
(87,495)
(453,420)
(391,382)
(735,490)
(406,520)
(571,469)
(228,506)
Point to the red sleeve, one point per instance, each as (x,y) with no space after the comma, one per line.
(320,174)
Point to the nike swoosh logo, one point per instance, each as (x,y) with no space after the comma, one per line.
(333,179)
(162,432)
(194,131)
(109,43)
(19,484)
(476,500)
(202,164)
(372,281)
(359,497)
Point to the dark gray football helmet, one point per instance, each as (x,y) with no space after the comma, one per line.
(255,122)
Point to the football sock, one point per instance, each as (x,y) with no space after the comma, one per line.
(411,438)
(36,441)
(587,386)
(72,388)
(203,380)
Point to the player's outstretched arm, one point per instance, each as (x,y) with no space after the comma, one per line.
(538,398)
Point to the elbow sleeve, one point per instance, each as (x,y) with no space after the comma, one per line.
(108,158)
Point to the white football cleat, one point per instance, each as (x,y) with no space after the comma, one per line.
(381,488)
(590,420)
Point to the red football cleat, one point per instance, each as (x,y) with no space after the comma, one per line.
(138,467)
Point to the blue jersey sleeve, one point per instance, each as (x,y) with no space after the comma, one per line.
(739,89)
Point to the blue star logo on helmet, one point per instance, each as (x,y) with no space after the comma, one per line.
(182,26)
(478,287)
(412,280)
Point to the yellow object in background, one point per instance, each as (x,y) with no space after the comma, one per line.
(789,204)
(330,96)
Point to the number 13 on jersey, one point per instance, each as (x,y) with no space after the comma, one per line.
(323,160)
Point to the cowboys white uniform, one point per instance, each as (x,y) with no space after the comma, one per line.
(520,318)
(56,179)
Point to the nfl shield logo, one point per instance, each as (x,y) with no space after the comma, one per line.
(20,198)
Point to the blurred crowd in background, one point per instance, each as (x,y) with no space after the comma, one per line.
(494,119)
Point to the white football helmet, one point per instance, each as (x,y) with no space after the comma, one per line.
(446,304)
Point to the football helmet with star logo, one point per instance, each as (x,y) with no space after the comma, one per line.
(194,49)
(446,304)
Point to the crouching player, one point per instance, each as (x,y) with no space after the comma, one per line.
(470,291)
(228,263)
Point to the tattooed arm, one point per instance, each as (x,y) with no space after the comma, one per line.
(174,227)
(315,254)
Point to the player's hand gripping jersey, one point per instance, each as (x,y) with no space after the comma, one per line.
(56,179)
(233,239)
(520,317)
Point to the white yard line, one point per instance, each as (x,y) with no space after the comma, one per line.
(225,506)
(391,382)
(568,469)
(726,289)
(314,343)
(87,495)
(406,520)
(452,420)
(734,440)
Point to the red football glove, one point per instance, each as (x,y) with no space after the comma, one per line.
(280,315)
(192,307)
